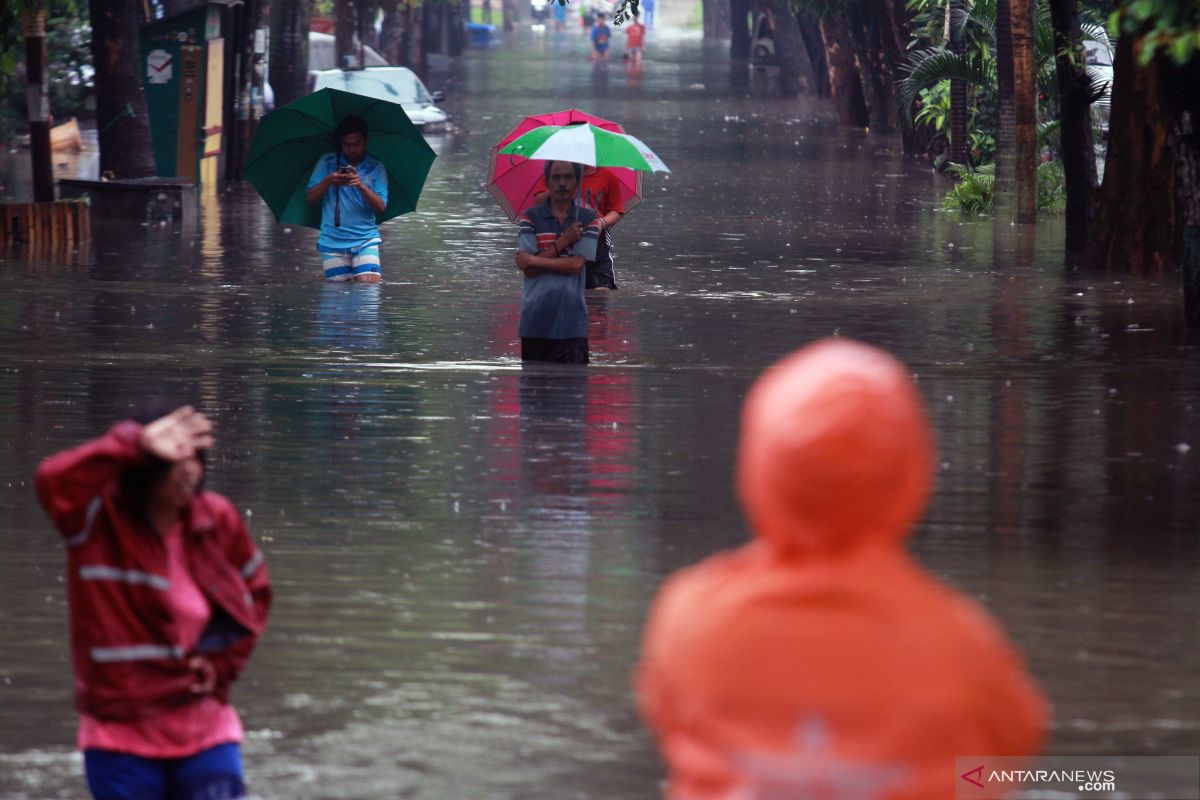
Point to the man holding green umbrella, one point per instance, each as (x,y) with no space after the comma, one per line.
(294,163)
(352,189)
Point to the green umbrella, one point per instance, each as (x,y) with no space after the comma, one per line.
(291,140)
(586,144)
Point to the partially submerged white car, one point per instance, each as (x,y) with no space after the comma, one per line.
(394,84)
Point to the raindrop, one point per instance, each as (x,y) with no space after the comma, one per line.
(1182,448)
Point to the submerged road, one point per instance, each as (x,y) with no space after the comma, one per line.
(463,552)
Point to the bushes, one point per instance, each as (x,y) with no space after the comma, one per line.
(975,192)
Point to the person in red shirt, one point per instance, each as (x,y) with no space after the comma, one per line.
(600,192)
(635,39)
(167,597)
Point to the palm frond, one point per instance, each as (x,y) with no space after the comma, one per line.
(1043,33)
(1048,130)
(982,15)
(1101,90)
(927,67)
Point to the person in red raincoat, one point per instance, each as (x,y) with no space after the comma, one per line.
(167,596)
(820,661)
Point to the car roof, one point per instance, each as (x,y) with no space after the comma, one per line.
(368,70)
(322,53)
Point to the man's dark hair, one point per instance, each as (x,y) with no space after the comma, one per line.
(550,165)
(348,125)
(138,483)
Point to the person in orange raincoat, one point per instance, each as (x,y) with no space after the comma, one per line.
(819,661)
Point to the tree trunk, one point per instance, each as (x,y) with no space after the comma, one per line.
(38,103)
(879,55)
(1025,108)
(1075,129)
(810,29)
(420,64)
(343,31)
(365,27)
(458,17)
(715,16)
(1148,216)
(432,15)
(391,33)
(844,81)
(789,50)
(248,84)
(289,49)
(1006,123)
(739,36)
(959,111)
(125,147)
(406,37)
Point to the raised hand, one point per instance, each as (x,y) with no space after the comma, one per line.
(178,435)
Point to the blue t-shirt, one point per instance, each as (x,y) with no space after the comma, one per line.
(358,228)
(600,36)
(552,304)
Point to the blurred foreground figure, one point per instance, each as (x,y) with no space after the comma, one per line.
(820,661)
(167,597)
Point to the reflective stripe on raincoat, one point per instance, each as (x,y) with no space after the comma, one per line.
(820,661)
(127,656)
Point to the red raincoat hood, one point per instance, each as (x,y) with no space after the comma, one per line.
(835,450)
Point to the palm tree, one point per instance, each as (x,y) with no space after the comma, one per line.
(981,64)
(958,87)
(1025,151)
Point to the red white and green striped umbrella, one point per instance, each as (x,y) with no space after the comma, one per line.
(586,144)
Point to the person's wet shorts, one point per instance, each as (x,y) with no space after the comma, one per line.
(558,351)
(213,774)
(344,265)
(600,272)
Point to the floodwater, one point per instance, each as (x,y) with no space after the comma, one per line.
(463,551)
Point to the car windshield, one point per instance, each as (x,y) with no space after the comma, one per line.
(396,86)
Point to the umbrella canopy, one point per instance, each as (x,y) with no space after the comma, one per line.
(586,144)
(513,179)
(290,140)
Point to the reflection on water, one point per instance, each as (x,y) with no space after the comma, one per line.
(464,548)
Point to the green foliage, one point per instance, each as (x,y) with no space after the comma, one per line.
(934,105)
(982,145)
(930,66)
(1168,27)
(1051,188)
(975,192)
(68,56)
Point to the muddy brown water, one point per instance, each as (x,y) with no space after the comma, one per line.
(463,551)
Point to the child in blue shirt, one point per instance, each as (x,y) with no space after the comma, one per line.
(600,38)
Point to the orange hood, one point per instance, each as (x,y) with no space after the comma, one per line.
(835,450)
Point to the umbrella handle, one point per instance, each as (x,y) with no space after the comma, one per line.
(337,190)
